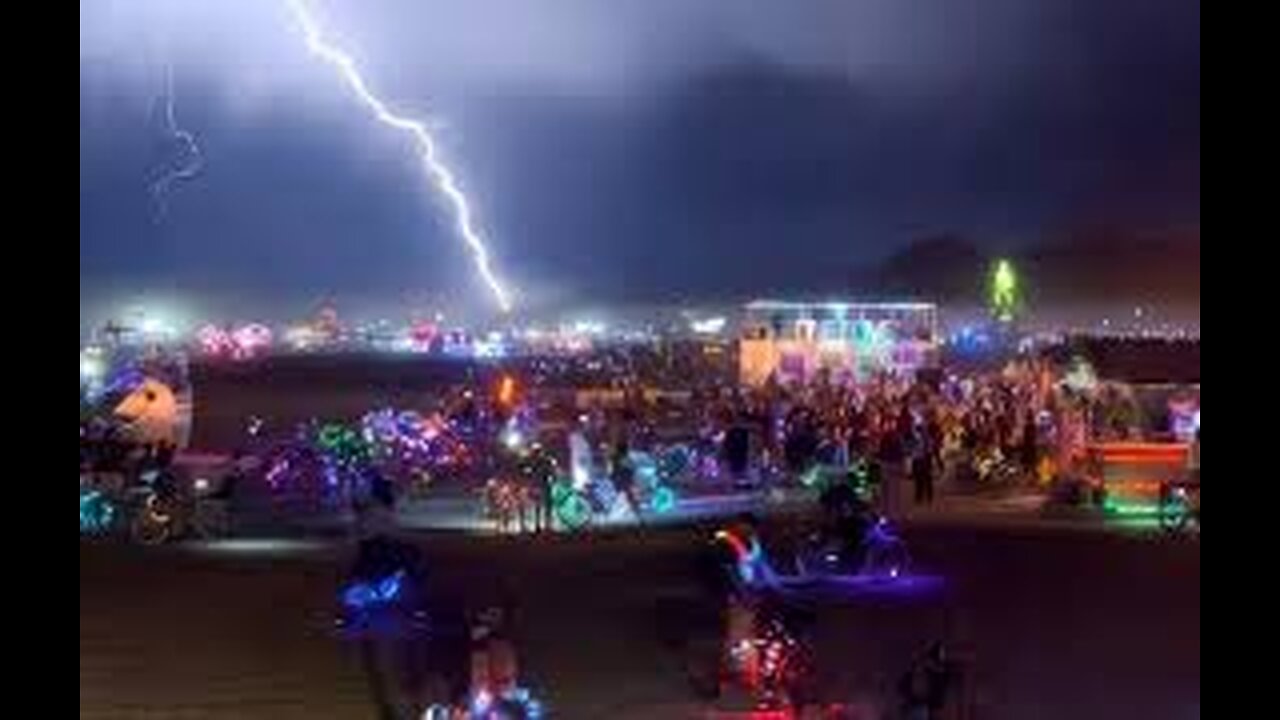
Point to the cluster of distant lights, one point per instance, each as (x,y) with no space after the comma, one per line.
(1139,325)
(1164,331)
(1109,328)
(255,340)
(217,340)
(397,445)
(93,365)
(241,343)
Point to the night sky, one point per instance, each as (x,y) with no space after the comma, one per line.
(621,151)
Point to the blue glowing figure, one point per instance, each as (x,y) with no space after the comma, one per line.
(886,554)
(375,594)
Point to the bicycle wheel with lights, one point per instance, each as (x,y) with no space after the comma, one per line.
(572,508)
(154,523)
(661,500)
(886,558)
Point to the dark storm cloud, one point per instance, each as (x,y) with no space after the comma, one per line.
(598,47)
(634,149)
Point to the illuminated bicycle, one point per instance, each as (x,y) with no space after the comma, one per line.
(159,515)
(138,514)
(652,489)
(885,554)
(98,512)
(576,509)
(881,554)
(772,664)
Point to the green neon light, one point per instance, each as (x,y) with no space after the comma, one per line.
(1004,291)
(1131,509)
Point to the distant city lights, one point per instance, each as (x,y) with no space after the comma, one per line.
(242,343)
(967,332)
(92,365)
(709,326)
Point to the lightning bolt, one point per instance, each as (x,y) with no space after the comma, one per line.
(186,162)
(441,176)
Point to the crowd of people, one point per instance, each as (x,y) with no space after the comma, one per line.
(969,431)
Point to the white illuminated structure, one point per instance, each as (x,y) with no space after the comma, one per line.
(851,341)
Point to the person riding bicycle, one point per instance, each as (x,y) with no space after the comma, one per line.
(759,641)
(379,554)
(847,517)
